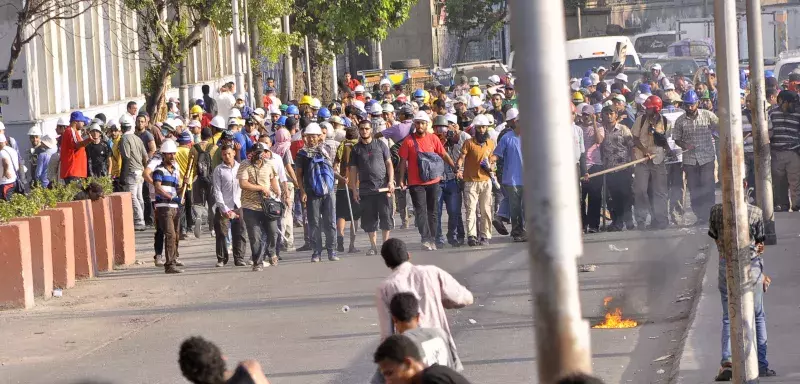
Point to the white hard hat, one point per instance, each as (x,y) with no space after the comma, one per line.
(168,146)
(35,131)
(640,98)
(494,79)
(622,77)
(315,103)
(62,121)
(125,120)
(235,112)
(112,123)
(474,102)
(575,85)
(480,121)
(95,127)
(512,114)
(422,116)
(601,68)
(452,118)
(218,122)
(386,81)
(657,67)
(359,89)
(274,110)
(177,123)
(359,105)
(376,109)
(312,129)
(473,81)
(233,121)
(489,118)
(259,112)
(595,78)
(388,107)
(2,126)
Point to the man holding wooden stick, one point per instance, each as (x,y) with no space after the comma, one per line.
(650,132)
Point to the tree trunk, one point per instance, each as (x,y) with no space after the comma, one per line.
(156,102)
(258,82)
(463,44)
(320,72)
(299,76)
(16,50)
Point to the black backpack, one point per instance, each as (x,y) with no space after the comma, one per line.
(204,168)
(430,164)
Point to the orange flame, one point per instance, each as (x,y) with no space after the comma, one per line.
(614,319)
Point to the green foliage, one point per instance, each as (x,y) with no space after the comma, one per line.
(336,22)
(42,198)
(465,16)
(272,41)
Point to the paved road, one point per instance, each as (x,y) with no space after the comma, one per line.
(126,326)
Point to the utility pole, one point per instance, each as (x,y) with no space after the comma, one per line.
(258,81)
(334,79)
(288,67)
(551,193)
(758,110)
(308,66)
(578,18)
(184,88)
(379,53)
(238,76)
(248,62)
(736,229)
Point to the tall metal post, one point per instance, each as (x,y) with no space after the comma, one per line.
(580,24)
(248,62)
(308,67)
(288,67)
(184,88)
(334,79)
(379,53)
(736,231)
(551,193)
(763,160)
(238,76)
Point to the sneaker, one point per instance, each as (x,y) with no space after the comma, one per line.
(439,245)
(220,264)
(140,228)
(340,243)
(353,249)
(197,231)
(240,263)
(258,268)
(520,239)
(483,242)
(315,258)
(472,241)
(178,262)
(426,246)
(591,230)
(766,373)
(725,373)
(159,260)
(500,227)
(304,248)
(213,234)
(184,237)
(249,262)
(332,256)
(372,252)
(273,260)
(404,225)
(172,270)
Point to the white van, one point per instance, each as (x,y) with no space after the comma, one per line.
(593,52)
(653,45)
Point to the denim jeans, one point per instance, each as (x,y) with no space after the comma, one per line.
(503,210)
(321,216)
(451,199)
(222,225)
(515,196)
(756,267)
(426,216)
(262,234)
(137,199)
(700,179)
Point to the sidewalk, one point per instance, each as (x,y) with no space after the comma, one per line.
(701,352)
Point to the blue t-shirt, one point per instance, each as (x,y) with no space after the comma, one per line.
(510,150)
(246,143)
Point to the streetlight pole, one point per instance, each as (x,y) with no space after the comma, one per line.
(551,190)
(758,111)
(288,66)
(736,229)
(238,76)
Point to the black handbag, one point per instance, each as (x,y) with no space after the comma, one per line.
(273,208)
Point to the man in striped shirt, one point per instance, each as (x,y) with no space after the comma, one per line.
(166,181)
(784,133)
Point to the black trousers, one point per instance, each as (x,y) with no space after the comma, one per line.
(619,189)
(593,190)
(221,225)
(148,205)
(425,198)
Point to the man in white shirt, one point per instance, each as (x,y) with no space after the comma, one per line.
(225,101)
(9,165)
(228,208)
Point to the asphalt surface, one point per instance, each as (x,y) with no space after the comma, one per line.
(126,326)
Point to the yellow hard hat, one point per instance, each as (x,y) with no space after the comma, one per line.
(475,91)
(306,99)
(427,98)
(577,97)
(196,110)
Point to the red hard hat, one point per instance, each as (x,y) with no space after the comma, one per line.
(653,102)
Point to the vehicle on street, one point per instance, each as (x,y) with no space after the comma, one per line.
(672,65)
(594,52)
(788,61)
(652,45)
(701,51)
(480,69)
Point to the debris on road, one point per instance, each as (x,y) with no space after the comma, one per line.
(614,248)
(587,268)
(472,321)
(700,256)
(345,309)
(660,371)
(683,298)
(663,358)
(139,262)
(58,292)
(653,337)
(703,248)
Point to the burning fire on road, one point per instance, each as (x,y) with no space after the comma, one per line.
(614,318)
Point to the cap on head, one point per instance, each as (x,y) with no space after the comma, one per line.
(622,77)
(422,117)
(376,109)
(388,108)
(656,67)
(512,114)
(620,98)
(233,121)
(79,117)
(125,120)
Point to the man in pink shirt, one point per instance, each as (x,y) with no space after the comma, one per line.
(435,288)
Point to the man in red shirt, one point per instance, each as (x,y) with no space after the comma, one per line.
(424,188)
(73,149)
(350,81)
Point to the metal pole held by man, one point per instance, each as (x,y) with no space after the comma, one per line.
(551,194)
(763,161)
(736,231)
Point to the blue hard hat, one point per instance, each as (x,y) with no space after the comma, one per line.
(292,110)
(588,73)
(585,82)
(769,73)
(282,121)
(418,93)
(324,113)
(690,97)
(645,88)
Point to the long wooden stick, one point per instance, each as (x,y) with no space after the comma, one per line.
(627,165)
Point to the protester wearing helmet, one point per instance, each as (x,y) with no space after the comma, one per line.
(591,190)
(418,96)
(476,169)
(425,188)
(511,95)
(166,184)
(453,138)
(650,132)
(388,114)
(293,111)
(259,179)
(323,115)
(508,152)
(359,93)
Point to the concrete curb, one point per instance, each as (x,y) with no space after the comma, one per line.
(41,254)
(16,277)
(62,246)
